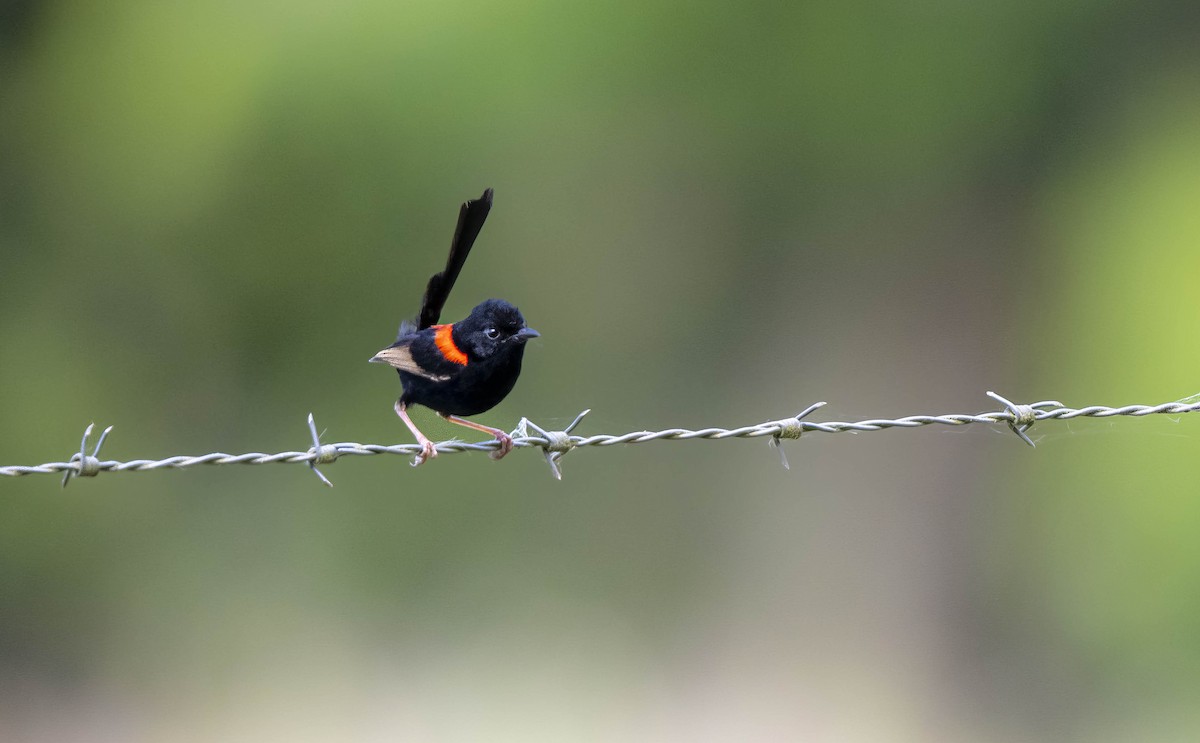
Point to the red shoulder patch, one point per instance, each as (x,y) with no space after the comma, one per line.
(445,343)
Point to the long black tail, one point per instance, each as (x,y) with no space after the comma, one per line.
(470,221)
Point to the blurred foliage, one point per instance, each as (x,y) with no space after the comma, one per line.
(211,215)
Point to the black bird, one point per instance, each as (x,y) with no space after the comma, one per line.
(465,368)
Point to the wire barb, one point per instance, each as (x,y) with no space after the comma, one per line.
(557,443)
(88,466)
(326,454)
(1022,417)
(791,428)
(554,444)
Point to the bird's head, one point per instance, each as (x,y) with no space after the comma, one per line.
(494,327)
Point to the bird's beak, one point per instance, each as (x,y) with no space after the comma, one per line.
(525,334)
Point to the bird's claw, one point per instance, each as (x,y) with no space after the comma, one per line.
(506,445)
(428,451)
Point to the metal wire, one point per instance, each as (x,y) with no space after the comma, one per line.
(554,444)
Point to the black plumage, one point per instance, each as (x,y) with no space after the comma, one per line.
(465,368)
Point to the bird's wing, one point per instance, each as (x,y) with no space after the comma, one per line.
(400,356)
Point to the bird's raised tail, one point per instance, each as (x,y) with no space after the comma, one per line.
(470,221)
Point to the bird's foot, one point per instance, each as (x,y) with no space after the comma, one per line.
(505,440)
(428,451)
(506,445)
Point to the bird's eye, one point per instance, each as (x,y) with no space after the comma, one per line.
(492,333)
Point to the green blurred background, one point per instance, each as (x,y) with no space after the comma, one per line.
(212,214)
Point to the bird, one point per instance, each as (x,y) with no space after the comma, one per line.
(464,368)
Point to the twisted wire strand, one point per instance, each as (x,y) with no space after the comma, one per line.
(557,443)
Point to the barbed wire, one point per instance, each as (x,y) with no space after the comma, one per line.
(554,444)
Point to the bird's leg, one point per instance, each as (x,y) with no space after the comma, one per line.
(427,449)
(506,442)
